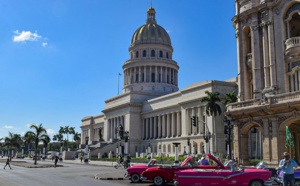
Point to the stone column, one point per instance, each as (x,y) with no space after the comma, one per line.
(178,124)
(143,129)
(159,127)
(244,149)
(151,127)
(140,73)
(155,127)
(145,74)
(256,67)
(266,141)
(274,140)
(166,74)
(163,122)
(156,74)
(147,128)
(266,56)
(272,52)
(173,125)
(161,74)
(168,125)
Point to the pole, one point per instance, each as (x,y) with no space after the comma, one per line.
(229,138)
(119,82)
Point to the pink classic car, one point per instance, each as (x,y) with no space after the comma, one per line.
(134,171)
(163,174)
(222,177)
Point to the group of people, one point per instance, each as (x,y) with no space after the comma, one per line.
(228,161)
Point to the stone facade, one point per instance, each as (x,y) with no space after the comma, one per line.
(268,48)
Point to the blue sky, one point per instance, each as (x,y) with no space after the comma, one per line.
(60,59)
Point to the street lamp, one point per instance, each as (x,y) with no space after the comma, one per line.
(126,138)
(188,146)
(86,150)
(207,136)
(176,153)
(228,130)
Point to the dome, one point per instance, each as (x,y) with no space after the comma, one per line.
(151,32)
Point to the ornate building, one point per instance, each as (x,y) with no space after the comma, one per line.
(151,108)
(268,48)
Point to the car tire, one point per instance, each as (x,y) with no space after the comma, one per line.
(256,183)
(135,178)
(158,181)
(297,183)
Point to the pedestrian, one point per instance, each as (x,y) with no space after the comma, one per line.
(286,165)
(203,160)
(55,162)
(7,163)
(81,157)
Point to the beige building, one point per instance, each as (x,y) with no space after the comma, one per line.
(151,107)
(268,48)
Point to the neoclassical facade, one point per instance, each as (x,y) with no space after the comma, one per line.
(152,108)
(268,48)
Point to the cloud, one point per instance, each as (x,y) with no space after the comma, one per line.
(25,36)
(8,127)
(44,44)
(28,125)
(50,131)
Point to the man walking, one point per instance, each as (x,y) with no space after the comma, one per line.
(55,161)
(7,163)
(286,165)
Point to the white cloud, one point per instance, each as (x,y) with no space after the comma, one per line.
(8,127)
(50,131)
(44,44)
(25,36)
(28,125)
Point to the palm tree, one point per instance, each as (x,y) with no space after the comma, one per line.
(72,131)
(230,98)
(12,141)
(212,108)
(77,138)
(37,136)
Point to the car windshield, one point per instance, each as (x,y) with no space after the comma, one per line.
(261,165)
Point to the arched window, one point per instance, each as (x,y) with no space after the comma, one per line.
(136,54)
(160,54)
(144,53)
(167,55)
(152,53)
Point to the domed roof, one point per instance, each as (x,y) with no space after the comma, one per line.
(151,32)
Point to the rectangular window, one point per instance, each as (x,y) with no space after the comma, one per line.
(152,77)
(143,79)
(137,78)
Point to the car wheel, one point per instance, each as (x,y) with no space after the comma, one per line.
(256,183)
(297,183)
(135,178)
(158,180)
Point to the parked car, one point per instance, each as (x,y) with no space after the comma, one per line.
(135,170)
(162,174)
(223,177)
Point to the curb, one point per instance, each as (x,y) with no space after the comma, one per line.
(99,178)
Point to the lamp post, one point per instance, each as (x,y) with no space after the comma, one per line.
(188,146)
(126,138)
(176,153)
(228,131)
(86,150)
(207,136)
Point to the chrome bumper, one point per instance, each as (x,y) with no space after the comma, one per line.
(143,178)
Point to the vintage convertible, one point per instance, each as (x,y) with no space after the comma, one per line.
(134,171)
(162,174)
(223,177)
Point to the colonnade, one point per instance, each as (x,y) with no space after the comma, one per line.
(162,126)
(150,74)
(201,125)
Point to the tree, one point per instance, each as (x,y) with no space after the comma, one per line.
(77,138)
(212,108)
(230,98)
(72,131)
(12,141)
(38,135)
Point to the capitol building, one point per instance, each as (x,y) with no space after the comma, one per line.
(152,108)
(156,114)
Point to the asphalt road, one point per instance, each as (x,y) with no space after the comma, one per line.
(69,174)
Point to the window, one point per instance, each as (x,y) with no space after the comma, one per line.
(136,54)
(137,78)
(160,54)
(167,55)
(144,53)
(152,77)
(152,53)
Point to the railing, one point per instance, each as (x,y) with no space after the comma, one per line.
(292,42)
(272,99)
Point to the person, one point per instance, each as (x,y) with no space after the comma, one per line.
(128,159)
(7,163)
(120,159)
(203,160)
(149,157)
(55,162)
(236,162)
(286,165)
(228,161)
(81,158)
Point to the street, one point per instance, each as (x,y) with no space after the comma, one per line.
(75,174)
